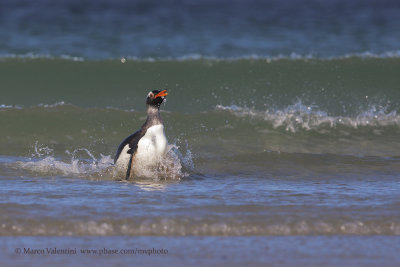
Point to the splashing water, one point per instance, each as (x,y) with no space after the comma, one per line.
(299,116)
(84,164)
(168,167)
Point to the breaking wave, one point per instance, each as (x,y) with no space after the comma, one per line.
(303,117)
(196,56)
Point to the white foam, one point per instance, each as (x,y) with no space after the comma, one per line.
(195,57)
(269,58)
(300,116)
(211,226)
(83,163)
(50,165)
(32,55)
(40,105)
(170,166)
(57,104)
(3,106)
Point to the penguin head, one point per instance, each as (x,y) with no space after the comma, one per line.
(156,97)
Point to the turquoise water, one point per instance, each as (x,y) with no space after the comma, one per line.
(282,120)
(277,151)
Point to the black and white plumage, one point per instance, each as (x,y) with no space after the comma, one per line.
(148,144)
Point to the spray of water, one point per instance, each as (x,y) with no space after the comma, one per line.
(82,163)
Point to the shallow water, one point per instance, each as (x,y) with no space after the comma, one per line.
(283,132)
(209,250)
(243,162)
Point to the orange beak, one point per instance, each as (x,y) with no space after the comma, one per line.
(162,93)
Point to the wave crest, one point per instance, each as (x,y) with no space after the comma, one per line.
(196,56)
(307,117)
(212,226)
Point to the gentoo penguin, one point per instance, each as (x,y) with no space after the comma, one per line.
(149,144)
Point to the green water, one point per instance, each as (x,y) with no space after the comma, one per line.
(338,86)
(292,151)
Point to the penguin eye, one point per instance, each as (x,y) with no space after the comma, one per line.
(151,95)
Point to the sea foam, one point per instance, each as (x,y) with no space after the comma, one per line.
(307,117)
(82,163)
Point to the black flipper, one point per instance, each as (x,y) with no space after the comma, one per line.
(132,141)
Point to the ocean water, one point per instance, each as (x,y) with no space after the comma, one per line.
(105,29)
(283,120)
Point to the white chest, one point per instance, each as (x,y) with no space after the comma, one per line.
(151,148)
(153,144)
